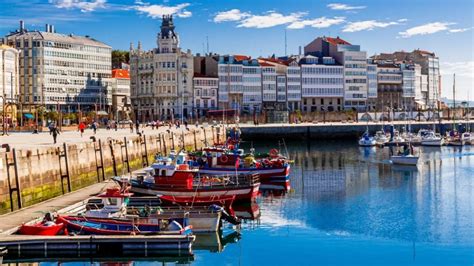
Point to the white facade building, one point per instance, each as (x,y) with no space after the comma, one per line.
(9,74)
(322,84)
(162,78)
(230,72)
(293,85)
(205,94)
(60,70)
(252,86)
(371,86)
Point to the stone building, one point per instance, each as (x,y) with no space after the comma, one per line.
(120,94)
(161,79)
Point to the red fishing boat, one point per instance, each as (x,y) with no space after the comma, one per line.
(176,178)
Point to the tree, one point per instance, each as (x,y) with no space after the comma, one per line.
(119,57)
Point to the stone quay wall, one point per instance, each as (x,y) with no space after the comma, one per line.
(42,173)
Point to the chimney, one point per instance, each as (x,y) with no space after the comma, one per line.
(22,26)
(299,50)
(51,28)
(46,28)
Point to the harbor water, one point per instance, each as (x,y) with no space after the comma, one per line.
(349,206)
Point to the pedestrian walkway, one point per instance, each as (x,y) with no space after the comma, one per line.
(11,220)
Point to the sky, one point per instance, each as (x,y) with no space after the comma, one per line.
(258,27)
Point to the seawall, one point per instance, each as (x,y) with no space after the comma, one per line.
(331,130)
(44,172)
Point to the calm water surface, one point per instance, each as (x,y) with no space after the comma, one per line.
(347,205)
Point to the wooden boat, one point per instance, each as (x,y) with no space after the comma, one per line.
(180,181)
(202,219)
(41,229)
(104,226)
(217,161)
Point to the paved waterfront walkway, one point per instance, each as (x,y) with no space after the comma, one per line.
(27,139)
(11,220)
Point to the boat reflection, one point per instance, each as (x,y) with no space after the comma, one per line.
(215,242)
(95,260)
(274,189)
(247,211)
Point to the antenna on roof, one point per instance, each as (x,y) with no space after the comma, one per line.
(207,44)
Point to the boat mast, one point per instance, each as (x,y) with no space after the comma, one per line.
(454,102)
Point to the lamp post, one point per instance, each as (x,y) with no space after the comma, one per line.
(3,114)
(59,115)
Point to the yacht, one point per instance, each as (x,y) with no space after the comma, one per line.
(429,138)
(366,140)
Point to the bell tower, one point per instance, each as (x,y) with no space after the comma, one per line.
(167,39)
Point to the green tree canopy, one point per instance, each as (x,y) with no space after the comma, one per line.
(119,57)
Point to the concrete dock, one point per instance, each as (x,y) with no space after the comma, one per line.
(9,222)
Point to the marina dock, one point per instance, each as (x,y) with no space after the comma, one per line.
(83,245)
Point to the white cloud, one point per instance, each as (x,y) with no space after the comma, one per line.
(319,23)
(425,29)
(84,6)
(230,15)
(274,18)
(268,20)
(463,69)
(459,30)
(368,25)
(157,11)
(338,6)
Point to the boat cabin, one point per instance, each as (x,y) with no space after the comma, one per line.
(112,203)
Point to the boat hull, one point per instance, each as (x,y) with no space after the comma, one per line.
(275,174)
(436,143)
(104,226)
(40,230)
(404,160)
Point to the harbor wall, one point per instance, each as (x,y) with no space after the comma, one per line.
(330,130)
(39,170)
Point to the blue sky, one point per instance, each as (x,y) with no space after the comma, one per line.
(257,27)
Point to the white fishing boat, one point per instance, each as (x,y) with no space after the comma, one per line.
(404,159)
(366,140)
(381,138)
(432,139)
(468,138)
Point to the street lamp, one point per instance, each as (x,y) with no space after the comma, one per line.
(3,113)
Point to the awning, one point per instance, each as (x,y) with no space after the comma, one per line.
(29,116)
(420,102)
(102,113)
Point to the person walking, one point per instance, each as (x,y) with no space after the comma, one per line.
(55,133)
(131,126)
(137,126)
(82,127)
(94,127)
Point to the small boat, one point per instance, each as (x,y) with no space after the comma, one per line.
(432,139)
(404,159)
(113,203)
(3,252)
(468,138)
(366,140)
(104,226)
(381,138)
(47,227)
(40,229)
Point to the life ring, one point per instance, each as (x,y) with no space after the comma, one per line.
(273,153)
(224,158)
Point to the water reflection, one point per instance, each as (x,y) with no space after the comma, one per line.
(339,187)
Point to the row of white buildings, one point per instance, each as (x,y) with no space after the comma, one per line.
(331,75)
(74,73)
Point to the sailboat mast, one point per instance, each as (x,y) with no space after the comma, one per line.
(454,101)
